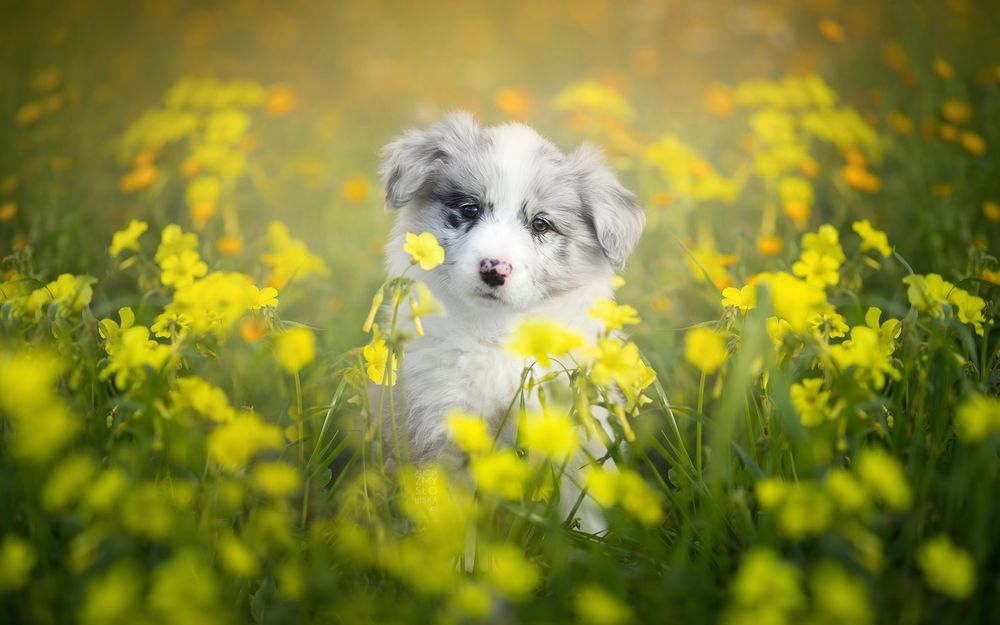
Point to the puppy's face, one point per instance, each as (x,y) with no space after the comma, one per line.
(519,220)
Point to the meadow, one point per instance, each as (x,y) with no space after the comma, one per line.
(800,362)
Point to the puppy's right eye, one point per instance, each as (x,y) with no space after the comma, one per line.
(469,211)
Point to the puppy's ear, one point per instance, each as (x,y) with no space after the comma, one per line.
(618,219)
(414,159)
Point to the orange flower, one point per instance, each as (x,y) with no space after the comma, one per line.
(948,133)
(797,211)
(190,168)
(229,246)
(991,276)
(831,30)
(719,101)
(279,101)
(770,246)
(514,102)
(202,211)
(862,179)
(991,210)
(973,143)
(901,123)
(809,168)
(956,111)
(662,198)
(356,188)
(252,329)
(943,68)
(139,178)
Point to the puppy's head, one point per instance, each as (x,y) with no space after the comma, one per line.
(519,220)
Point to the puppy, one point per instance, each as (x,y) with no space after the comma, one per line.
(527,231)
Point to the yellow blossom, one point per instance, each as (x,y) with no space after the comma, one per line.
(812,403)
(295,348)
(181,270)
(134,354)
(824,242)
(765,581)
(947,568)
(614,316)
(872,239)
(501,473)
(237,557)
(978,417)
(356,188)
(425,250)
(795,301)
(839,597)
(619,363)
(744,299)
(705,349)
(818,271)
(551,433)
(174,242)
(883,475)
(233,444)
(276,479)
(17,560)
(127,239)
(806,511)
(509,572)
(542,338)
(377,360)
(469,432)
(596,606)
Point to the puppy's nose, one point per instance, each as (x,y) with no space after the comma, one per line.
(494,272)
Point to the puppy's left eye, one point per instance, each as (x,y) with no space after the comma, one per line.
(540,225)
(470,211)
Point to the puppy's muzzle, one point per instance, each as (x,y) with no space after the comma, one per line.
(494,272)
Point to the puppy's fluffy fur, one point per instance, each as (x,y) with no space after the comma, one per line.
(527,231)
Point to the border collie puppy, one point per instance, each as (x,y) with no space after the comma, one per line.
(527,231)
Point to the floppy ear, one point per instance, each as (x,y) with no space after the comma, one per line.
(414,159)
(618,219)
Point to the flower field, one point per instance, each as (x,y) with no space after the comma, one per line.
(801,367)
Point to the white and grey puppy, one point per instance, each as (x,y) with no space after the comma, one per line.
(527,231)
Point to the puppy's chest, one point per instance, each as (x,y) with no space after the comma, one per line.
(447,372)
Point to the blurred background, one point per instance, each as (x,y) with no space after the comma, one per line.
(329,83)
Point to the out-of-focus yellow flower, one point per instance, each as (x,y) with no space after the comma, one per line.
(831,30)
(181,270)
(542,338)
(422,303)
(210,402)
(771,492)
(17,560)
(596,606)
(277,479)
(509,572)
(846,491)
(765,584)
(616,362)
(818,271)
(237,557)
(933,295)
(133,355)
(137,179)
(295,348)
(174,242)
(947,568)
(614,315)
(978,417)
(502,474)
(744,299)
(289,257)
(829,325)
(705,260)
(624,487)
(862,179)
(356,188)
(112,597)
(948,133)
(595,99)
(839,597)
(469,432)
(425,250)
(128,238)
(796,302)
(811,401)
(973,143)
(872,239)
(901,123)
(472,600)
(806,511)
(235,443)
(8,211)
(825,242)
(883,475)
(550,433)
(943,68)
(866,352)
(705,348)
(252,329)
(991,210)
(956,111)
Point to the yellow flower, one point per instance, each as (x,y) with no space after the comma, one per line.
(174,242)
(618,363)
(865,351)
(277,479)
(376,355)
(593,98)
(210,402)
(17,560)
(811,401)
(838,596)
(848,493)
(135,353)
(127,239)
(542,338)
(771,492)
(264,298)
(977,418)
(509,572)
(795,302)
(425,250)
(422,303)
(829,325)
(872,239)
(765,581)
(824,242)
(502,474)
(956,111)
(991,210)
(233,444)
(181,270)
(596,606)
(744,299)
(806,511)
(613,315)
(295,348)
(624,487)
(883,475)
(112,597)
(8,210)
(551,433)
(943,68)
(356,188)
(469,432)
(289,257)
(934,295)
(947,569)
(818,271)
(237,557)
(705,349)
